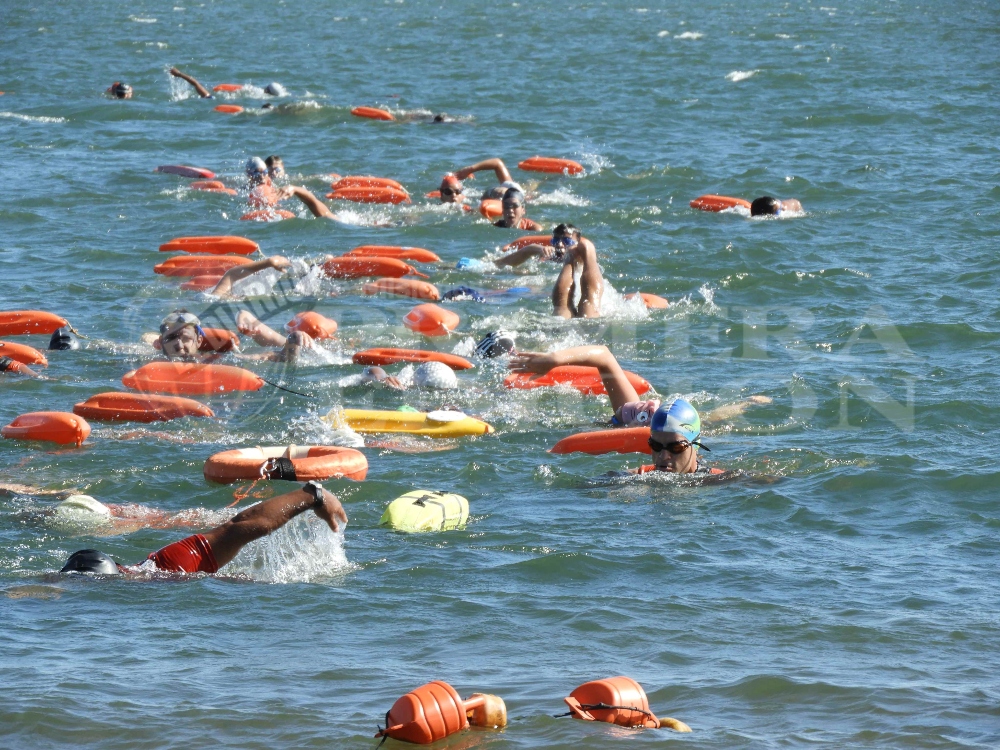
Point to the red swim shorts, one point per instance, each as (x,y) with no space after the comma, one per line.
(190,555)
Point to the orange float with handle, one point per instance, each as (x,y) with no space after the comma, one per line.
(599,442)
(191,379)
(202,283)
(431,320)
(587,380)
(385,356)
(147,407)
(316,325)
(200,265)
(491,208)
(212,245)
(436,710)
(370,195)
(651,301)
(718,203)
(29,322)
(295,463)
(531,239)
(617,700)
(372,113)
(417,254)
(403,288)
(26,355)
(550,165)
(50,426)
(197,173)
(228,87)
(211,186)
(354,267)
(352,180)
(267,214)
(214,340)
(228,109)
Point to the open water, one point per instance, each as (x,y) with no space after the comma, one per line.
(842,593)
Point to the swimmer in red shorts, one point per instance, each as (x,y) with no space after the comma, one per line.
(206,553)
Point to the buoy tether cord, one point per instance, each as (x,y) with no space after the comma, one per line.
(605,706)
(289,390)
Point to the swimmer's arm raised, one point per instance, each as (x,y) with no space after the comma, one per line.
(314,204)
(225,285)
(526,253)
(202,91)
(498,167)
(619,389)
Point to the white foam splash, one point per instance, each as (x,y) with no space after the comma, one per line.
(689,35)
(595,163)
(140,19)
(31,118)
(303,550)
(563,196)
(741,75)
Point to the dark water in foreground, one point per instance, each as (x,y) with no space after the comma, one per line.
(842,595)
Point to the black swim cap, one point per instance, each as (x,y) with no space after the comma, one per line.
(63,338)
(90,561)
(765,206)
(496,344)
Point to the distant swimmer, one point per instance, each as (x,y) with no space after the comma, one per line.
(768,206)
(202,91)
(208,552)
(513,212)
(120,90)
(564,237)
(452,190)
(263,193)
(580,258)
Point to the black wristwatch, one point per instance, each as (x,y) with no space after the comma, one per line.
(315,489)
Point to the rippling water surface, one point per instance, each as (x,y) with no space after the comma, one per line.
(842,593)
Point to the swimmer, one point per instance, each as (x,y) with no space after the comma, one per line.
(513,212)
(263,193)
(120,90)
(673,438)
(275,167)
(563,236)
(378,375)
(202,91)
(8,365)
(580,256)
(435,375)
(451,185)
(206,553)
(225,286)
(768,206)
(181,338)
(63,339)
(496,344)
(263,335)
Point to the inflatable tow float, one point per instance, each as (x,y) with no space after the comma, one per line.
(587,380)
(29,322)
(387,356)
(426,510)
(372,113)
(358,267)
(417,254)
(403,288)
(617,700)
(599,442)
(295,463)
(435,424)
(48,426)
(214,245)
(191,379)
(130,407)
(718,203)
(436,710)
(550,165)
(431,320)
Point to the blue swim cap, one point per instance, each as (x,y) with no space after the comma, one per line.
(677,416)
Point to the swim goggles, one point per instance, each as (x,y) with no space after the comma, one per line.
(451,191)
(676,448)
(563,241)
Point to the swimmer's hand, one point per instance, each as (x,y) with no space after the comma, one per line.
(279,263)
(175,73)
(534,362)
(331,511)
(393,382)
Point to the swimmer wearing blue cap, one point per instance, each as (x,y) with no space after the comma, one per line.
(206,553)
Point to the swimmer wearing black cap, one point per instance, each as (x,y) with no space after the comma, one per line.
(513,212)
(120,90)
(206,553)
(768,206)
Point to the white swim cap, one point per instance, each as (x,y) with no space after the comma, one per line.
(275,89)
(83,504)
(256,166)
(435,375)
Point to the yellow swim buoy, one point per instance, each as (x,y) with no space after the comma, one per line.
(426,510)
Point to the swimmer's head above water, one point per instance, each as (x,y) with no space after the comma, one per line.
(120,90)
(181,335)
(673,437)
(451,189)
(256,170)
(768,206)
(496,344)
(91,561)
(513,206)
(275,167)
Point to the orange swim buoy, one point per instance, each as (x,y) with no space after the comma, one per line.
(491,208)
(403,288)
(372,113)
(268,214)
(202,283)
(215,245)
(130,407)
(531,239)
(587,380)
(180,170)
(417,254)
(230,87)
(431,320)
(598,442)
(228,109)
(191,378)
(385,356)
(365,181)
(51,426)
(199,265)
(718,203)
(651,301)
(370,195)
(617,700)
(436,710)
(211,186)
(550,165)
(354,267)
(29,322)
(296,463)
(214,340)
(26,355)
(314,324)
